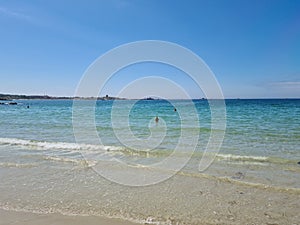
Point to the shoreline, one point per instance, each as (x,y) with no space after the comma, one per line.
(29,218)
(204,201)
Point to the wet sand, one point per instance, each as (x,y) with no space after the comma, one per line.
(26,218)
(207,202)
(186,198)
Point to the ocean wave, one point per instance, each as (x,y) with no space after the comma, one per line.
(85,148)
(82,148)
(242,157)
(56,145)
(257,160)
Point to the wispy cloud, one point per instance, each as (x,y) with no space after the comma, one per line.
(285,84)
(14,13)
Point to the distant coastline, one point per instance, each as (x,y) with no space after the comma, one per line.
(9,97)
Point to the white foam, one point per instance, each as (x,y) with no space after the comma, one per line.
(57,145)
(243,157)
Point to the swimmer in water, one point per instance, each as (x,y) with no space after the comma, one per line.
(156,119)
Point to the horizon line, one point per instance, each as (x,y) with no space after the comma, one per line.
(52,97)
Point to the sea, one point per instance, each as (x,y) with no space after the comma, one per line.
(45,169)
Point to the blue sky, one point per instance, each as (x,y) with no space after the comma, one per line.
(253,47)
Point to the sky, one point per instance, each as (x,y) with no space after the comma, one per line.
(252,47)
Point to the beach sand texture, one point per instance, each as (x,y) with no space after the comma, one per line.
(206,201)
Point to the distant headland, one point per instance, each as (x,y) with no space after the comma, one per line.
(9,97)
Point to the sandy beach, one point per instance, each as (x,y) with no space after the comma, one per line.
(26,218)
(205,200)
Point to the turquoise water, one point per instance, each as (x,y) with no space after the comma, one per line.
(37,147)
(267,128)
